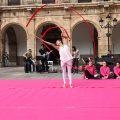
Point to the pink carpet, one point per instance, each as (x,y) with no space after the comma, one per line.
(46,100)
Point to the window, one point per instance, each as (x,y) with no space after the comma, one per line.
(13,2)
(83,1)
(48,1)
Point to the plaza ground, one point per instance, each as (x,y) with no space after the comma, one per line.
(17,73)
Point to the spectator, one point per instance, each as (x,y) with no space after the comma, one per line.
(6,60)
(104,71)
(29,59)
(117,71)
(44,57)
(90,71)
(75,55)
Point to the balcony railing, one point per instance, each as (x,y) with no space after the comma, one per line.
(32,2)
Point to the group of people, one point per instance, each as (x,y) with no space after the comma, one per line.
(70,60)
(90,71)
(44,56)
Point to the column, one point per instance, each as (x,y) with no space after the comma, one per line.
(39,1)
(102,43)
(0,47)
(31,37)
(94,0)
(67,26)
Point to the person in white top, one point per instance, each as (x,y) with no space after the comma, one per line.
(65,57)
(76,56)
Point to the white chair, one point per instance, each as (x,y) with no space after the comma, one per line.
(50,64)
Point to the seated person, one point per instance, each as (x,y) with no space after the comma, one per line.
(104,71)
(90,71)
(28,58)
(44,57)
(117,71)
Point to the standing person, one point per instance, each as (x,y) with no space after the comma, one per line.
(29,59)
(117,71)
(105,71)
(44,57)
(65,57)
(6,60)
(75,54)
(90,71)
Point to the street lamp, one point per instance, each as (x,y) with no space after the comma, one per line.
(108,19)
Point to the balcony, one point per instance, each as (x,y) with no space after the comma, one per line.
(34,2)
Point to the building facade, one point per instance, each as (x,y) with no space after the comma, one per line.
(80,18)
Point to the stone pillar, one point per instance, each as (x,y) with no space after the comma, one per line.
(74,1)
(5,2)
(94,0)
(67,24)
(0,47)
(39,1)
(102,43)
(21,2)
(31,37)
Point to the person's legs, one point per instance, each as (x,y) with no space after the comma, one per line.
(115,76)
(101,76)
(46,64)
(27,66)
(64,74)
(76,65)
(43,63)
(73,64)
(5,62)
(88,75)
(69,67)
(31,62)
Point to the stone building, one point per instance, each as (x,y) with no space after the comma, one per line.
(79,17)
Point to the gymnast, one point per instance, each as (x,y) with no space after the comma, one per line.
(65,57)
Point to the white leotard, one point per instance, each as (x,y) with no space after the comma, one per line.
(65,54)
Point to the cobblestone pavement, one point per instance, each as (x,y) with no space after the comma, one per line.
(17,73)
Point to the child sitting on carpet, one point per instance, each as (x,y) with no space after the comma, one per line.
(117,71)
(105,71)
(90,71)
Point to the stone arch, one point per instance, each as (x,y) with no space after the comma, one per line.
(115,40)
(51,36)
(90,46)
(76,22)
(6,25)
(12,41)
(37,26)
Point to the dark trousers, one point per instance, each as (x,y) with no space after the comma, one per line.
(75,64)
(27,67)
(44,63)
(110,76)
(88,75)
(32,63)
(115,76)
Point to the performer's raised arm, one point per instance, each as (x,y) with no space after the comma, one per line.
(51,44)
(65,38)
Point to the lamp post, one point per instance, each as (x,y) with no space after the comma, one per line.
(108,26)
